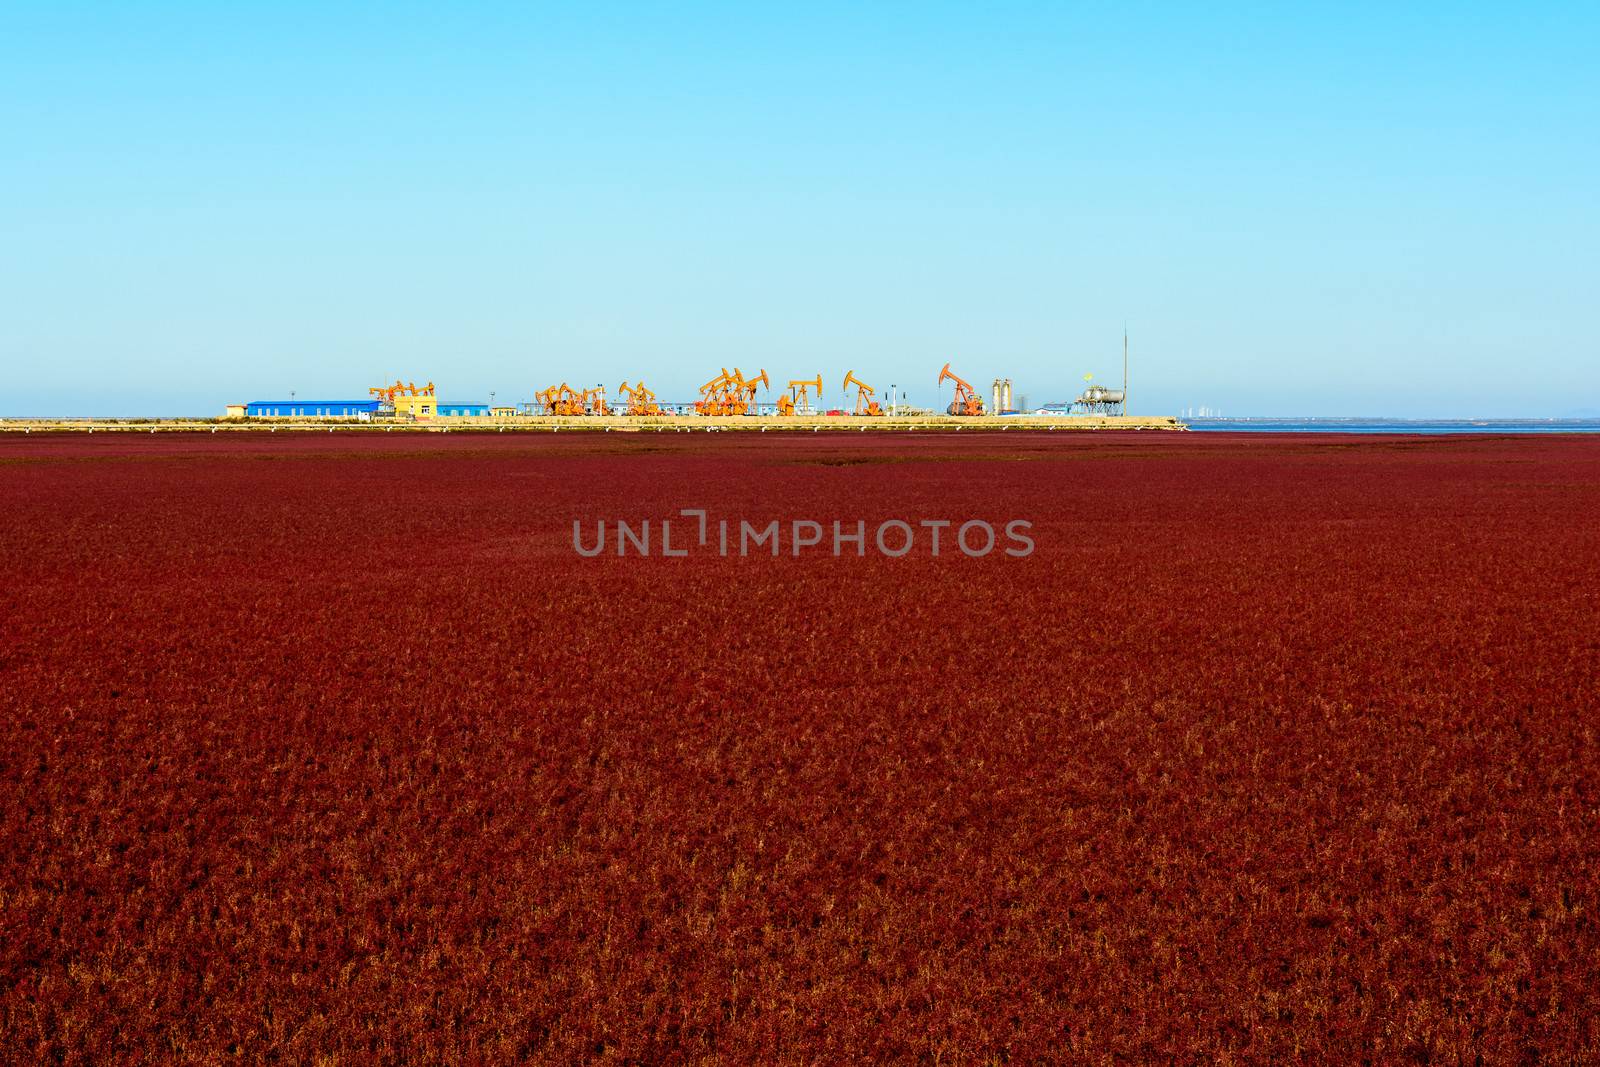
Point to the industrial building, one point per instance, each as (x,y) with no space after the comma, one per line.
(728,394)
(417,406)
(310,409)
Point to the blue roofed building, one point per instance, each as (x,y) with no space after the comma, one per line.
(310,409)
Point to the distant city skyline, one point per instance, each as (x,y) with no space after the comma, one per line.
(1316,211)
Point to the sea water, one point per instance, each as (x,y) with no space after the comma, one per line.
(1406,426)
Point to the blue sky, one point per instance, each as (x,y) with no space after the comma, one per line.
(1364,209)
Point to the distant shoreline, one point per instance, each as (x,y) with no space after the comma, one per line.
(1259,424)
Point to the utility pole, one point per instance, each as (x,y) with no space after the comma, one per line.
(1124,368)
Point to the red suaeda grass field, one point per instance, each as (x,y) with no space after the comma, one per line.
(329,748)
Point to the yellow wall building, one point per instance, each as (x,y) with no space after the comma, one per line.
(418,407)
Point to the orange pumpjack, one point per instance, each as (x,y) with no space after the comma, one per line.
(966,401)
(641,401)
(865,404)
(797,398)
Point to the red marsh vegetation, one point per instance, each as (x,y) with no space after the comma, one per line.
(331,749)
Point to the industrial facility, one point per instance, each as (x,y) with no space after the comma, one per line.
(402,400)
(310,409)
(729,393)
(1100,400)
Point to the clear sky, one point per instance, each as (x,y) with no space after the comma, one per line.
(1365,209)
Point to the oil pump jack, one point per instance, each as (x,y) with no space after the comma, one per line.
(716,396)
(729,394)
(797,400)
(562,400)
(593,401)
(966,401)
(641,401)
(387,393)
(747,389)
(865,404)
